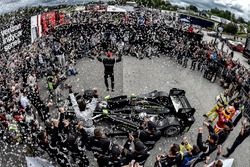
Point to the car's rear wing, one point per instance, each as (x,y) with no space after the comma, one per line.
(180,102)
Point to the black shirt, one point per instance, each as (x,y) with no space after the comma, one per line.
(99,145)
(149,139)
(109,63)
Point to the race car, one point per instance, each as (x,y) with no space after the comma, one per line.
(171,113)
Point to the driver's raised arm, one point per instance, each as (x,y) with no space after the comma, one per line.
(100,59)
(117,60)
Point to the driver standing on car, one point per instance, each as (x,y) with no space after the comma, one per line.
(109,63)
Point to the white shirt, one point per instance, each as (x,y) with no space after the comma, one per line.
(87,114)
(40,57)
(120,45)
(31,80)
(24,101)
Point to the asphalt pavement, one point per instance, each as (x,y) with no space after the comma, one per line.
(142,76)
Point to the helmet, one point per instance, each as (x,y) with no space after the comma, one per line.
(103,104)
(142,115)
(231,109)
(133,96)
(229,112)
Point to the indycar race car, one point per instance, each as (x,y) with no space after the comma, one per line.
(171,113)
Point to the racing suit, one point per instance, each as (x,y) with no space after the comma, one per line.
(223,100)
(108,63)
(52,147)
(149,138)
(220,123)
(139,157)
(54,152)
(223,119)
(115,158)
(100,146)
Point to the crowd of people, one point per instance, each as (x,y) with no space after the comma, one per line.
(26,118)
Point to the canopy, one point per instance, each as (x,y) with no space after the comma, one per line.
(37,162)
(127,8)
(185,20)
(111,8)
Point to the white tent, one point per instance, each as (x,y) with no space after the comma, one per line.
(112,8)
(127,8)
(80,8)
(37,162)
(185,20)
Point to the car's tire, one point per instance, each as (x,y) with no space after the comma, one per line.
(171,131)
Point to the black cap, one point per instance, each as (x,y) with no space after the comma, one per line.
(139,146)
(115,150)
(151,125)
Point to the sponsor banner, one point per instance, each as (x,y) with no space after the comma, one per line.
(34,28)
(42,24)
(14,34)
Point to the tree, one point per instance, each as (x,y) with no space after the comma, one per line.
(248,29)
(193,8)
(231,28)
(181,7)
(248,26)
(223,13)
(159,4)
(241,20)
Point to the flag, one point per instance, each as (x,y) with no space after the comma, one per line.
(141,20)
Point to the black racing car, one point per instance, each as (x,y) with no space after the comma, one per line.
(171,112)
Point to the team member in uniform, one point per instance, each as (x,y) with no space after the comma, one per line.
(109,63)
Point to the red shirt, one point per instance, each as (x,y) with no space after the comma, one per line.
(109,54)
(190,29)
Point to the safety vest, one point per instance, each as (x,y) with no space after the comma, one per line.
(50,84)
(12,127)
(186,147)
(217,129)
(223,100)
(227,115)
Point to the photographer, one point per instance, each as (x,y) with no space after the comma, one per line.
(99,144)
(140,152)
(148,134)
(114,158)
(50,146)
(209,145)
(244,133)
(173,157)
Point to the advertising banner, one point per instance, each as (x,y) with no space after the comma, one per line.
(14,34)
(45,22)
